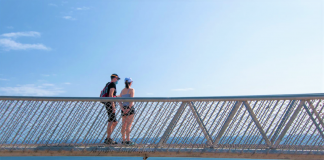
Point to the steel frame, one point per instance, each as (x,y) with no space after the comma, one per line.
(189,126)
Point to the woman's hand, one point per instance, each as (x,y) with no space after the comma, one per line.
(126,111)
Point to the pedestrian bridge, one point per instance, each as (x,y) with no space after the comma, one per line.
(264,127)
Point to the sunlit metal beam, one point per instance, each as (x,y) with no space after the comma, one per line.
(201,123)
(227,122)
(257,123)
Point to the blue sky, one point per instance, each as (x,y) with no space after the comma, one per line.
(171,48)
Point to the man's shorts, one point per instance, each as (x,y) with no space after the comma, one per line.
(111,115)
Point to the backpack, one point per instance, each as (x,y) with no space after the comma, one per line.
(105,92)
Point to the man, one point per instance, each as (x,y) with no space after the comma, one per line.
(111,108)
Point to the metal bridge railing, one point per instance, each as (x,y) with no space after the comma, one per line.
(279,126)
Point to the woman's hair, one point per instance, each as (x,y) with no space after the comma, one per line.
(127,84)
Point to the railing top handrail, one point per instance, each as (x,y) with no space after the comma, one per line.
(173,99)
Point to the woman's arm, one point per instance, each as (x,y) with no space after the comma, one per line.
(121,103)
(132,94)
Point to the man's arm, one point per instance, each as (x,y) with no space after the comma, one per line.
(111,94)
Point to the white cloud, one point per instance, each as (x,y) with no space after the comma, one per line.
(48,75)
(9,44)
(67,83)
(68,18)
(3,79)
(21,34)
(32,90)
(82,8)
(52,4)
(183,89)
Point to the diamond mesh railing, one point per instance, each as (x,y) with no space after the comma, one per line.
(286,125)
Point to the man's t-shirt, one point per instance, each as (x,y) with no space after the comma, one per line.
(112,85)
(108,104)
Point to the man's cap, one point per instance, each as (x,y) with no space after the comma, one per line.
(115,75)
(128,79)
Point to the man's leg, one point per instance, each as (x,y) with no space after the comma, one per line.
(109,129)
(110,119)
(112,123)
(113,126)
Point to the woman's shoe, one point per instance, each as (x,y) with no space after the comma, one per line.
(130,143)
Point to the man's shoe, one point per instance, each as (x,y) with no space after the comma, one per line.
(109,141)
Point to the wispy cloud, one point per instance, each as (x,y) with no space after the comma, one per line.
(3,79)
(21,34)
(8,41)
(82,8)
(47,75)
(67,83)
(10,27)
(52,4)
(183,89)
(9,44)
(68,18)
(32,90)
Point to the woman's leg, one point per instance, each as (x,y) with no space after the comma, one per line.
(129,122)
(123,129)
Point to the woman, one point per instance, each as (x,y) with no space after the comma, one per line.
(128,111)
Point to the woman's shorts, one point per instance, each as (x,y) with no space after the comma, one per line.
(111,115)
(130,112)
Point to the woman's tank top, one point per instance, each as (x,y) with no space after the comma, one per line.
(126,96)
